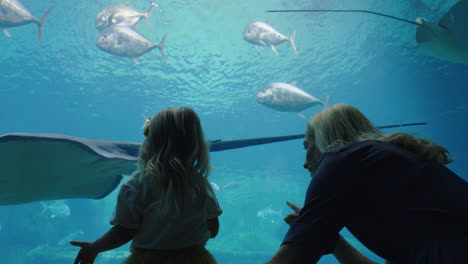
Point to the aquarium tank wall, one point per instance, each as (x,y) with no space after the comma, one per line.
(70,84)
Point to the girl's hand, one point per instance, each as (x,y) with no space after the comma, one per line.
(87,253)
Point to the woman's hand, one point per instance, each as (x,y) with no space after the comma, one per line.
(87,253)
(291,218)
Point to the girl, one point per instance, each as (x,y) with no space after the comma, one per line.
(167,207)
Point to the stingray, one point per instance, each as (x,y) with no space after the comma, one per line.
(37,167)
(446,40)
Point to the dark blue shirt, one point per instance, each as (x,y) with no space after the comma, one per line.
(402,207)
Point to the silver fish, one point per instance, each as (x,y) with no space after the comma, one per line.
(14,14)
(57,208)
(72,236)
(286,97)
(270,215)
(213,185)
(122,15)
(261,34)
(124,41)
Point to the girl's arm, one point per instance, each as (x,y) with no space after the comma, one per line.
(117,236)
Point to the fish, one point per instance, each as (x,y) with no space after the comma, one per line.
(231,185)
(270,215)
(445,40)
(72,236)
(14,14)
(214,186)
(286,97)
(122,15)
(57,208)
(126,42)
(262,34)
(37,251)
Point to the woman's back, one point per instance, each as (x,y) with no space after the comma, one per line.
(403,203)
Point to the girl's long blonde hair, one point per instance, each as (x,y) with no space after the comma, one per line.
(175,154)
(342,124)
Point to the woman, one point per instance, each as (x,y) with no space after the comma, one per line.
(167,206)
(391,191)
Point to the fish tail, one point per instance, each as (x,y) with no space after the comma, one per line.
(325,101)
(161,46)
(292,39)
(148,14)
(44,208)
(301,115)
(42,21)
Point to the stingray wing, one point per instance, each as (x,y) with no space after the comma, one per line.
(36,167)
(424,34)
(47,166)
(456,21)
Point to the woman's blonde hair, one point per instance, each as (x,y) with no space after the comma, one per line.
(176,154)
(342,124)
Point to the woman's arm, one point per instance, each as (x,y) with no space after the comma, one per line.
(117,236)
(345,253)
(289,254)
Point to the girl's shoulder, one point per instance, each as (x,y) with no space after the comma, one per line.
(136,182)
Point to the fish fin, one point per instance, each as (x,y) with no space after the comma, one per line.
(301,115)
(128,2)
(6,33)
(44,208)
(268,22)
(258,48)
(293,83)
(325,101)
(292,39)
(161,46)
(148,14)
(147,19)
(424,34)
(410,48)
(274,49)
(135,60)
(41,23)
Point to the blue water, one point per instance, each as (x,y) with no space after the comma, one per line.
(66,85)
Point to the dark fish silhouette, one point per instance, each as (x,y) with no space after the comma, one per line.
(14,14)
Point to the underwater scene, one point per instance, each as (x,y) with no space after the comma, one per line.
(97,69)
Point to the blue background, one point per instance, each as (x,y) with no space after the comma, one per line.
(66,85)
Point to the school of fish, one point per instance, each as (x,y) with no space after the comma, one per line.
(118,36)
